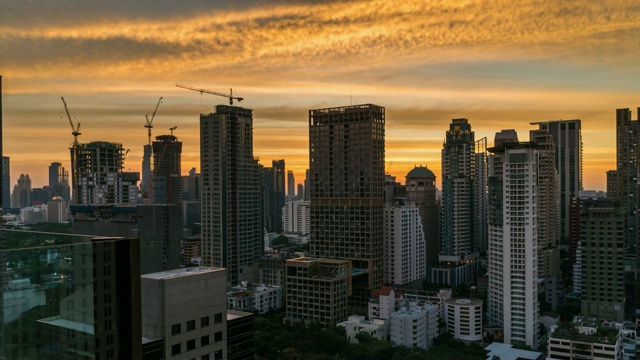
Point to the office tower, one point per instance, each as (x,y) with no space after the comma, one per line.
(98,173)
(567,138)
(147,175)
(316,291)
(307,186)
(6,183)
(273,183)
(291,184)
(612,184)
(480,200)
(404,246)
(167,171)
(21,196)
(58,182)
(602,229)
(191,207)
(513,250)
(232,198)
(157,226)
(100,318)
(300,194)
(346,154)
(188,309)
(240,335)
(57,210)
(420,186)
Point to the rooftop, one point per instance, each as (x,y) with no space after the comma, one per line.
(172,274)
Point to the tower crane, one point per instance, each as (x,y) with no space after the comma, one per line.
(205,91)
(172,128)
(150,122)
(75,130)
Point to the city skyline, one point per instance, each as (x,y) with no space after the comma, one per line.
(499,64)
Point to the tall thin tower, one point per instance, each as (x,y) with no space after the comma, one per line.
(346,156)
(232,199)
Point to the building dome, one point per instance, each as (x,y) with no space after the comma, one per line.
(420,172)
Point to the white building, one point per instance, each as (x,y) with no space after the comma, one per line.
(585,340)
(408,328)
(356,324)
(187,308)
(513,248)
(464,318)
(404,245)
(256,297)
(295,217)
(34,214)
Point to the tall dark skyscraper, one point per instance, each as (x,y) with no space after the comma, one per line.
(59,182)
(567,138)
(273,183)
(167,170)
(6,182)
(232,198)
(346,156)
(291,184)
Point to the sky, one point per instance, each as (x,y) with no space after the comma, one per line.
(500,64)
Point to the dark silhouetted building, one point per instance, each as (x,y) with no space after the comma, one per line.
(167,171)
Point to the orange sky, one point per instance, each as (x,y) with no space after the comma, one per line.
(501,64)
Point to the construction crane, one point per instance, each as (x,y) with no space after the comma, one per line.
(75,130)
(172,128)
(150,122)
(205,91)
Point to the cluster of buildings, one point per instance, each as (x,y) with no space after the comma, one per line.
(375,245)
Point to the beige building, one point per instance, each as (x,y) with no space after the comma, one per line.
(186,308)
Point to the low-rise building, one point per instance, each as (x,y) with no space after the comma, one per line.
(585,339)
(356,324)
(260,298)
(464,318)
(408,328)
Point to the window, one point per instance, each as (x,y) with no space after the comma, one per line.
(217,318)
(175,349)
(175,329)
(218,355)
(204,357)
(217,336)
(191,344)
(204,341)
(191,325)
(204,322)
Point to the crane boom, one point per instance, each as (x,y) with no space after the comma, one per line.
(150,122)
(75,130)
(205,91)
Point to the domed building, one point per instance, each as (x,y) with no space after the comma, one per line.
(421,192)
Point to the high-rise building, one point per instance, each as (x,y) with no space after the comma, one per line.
(346,154)
(232,197)
(97,170)
(480,199)
(513,246)
(307,186)
(191,206)
(58,182)
(296,218)
(57,210)
(612,184)
(21,196)
(273,183)
(567,138)
(602,240)
(145,184)
(300,194)
(420,187)
(167,170)
(404,246)
(291,184)
(6,183)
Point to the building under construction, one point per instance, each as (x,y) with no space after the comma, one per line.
(167,173)
(98,177)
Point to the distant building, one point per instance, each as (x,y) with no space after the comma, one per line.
(34,214)
(420,187)
(318,284)
(21,196)
(191,249)
(291,184)
(464,318)
(404,246)
(297,220)
(6,183)
(186,308)
(167,170)
(612,184)
(57,210)
(408,328)
(585,340)
(258,298)
(272,268)
(356,324)
(59,182)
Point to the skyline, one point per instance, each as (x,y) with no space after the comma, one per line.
(499,64)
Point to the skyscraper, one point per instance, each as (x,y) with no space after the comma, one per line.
(21,196)
(58,182)
(167,170)
(232,198)
(6,183)
(99,177)
(346,156)
(273,182)
(513,249)
(420,186)
(291,184)
(567,138)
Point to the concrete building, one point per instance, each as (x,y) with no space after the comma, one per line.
(464,318)
(356,324)
(291,185)
(508,352)
(97,175)
(420,184)
(585,340)
(307,187)
(404,246)
(346,154)
(167,170)
(480,198)
(272,268)
(232,208)
(57,210)
(273,182)
(316,291)
(240,335)
(21,195)
(186,308)
(408,328)
(296,218)
(258,298)
(612,184)
(157,226)
(513,248)
(6,183)
(59,182)
(602,230)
